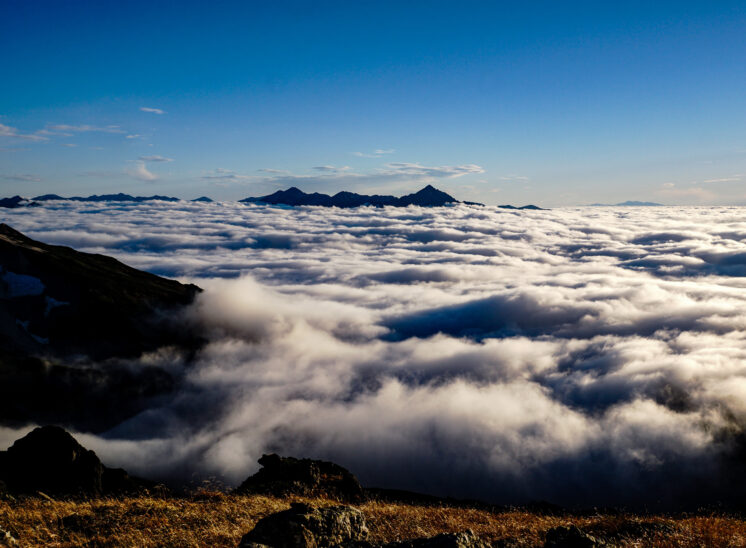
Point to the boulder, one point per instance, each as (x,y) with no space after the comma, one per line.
(51,461)
(571,537)
(307,526)
(282,476)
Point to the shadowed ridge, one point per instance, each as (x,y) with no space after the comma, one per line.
(58,306)
(119,197)
(70,273)
(82,303)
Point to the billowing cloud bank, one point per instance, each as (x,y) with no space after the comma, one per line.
(584,356)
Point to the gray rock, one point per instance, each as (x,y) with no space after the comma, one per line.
(307,526)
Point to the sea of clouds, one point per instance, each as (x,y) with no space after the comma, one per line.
(581,356)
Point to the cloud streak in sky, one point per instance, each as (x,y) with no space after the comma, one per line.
(589,356)
(155,158)
(153,110)
(23,178)
(140,172)
(85,128)
(8,131)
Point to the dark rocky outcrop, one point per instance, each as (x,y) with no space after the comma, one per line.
(308,526)
(62,310)
(56,300)
(51,461)
(571,537)
(281,476)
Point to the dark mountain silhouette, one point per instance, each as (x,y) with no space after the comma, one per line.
(107,198)
(61,311)
(16,201)
(293,196)
(427,197)
(529,206)
(630,203)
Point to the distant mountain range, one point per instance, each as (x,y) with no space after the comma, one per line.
(630,203)
(17,201)
(106,198)
(529,206)
(426,197)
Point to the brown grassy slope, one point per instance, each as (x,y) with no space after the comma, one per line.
(220,520)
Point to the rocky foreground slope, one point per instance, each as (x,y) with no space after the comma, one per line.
(66,317)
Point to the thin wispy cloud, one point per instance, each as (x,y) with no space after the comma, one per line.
(85,128)
(731,179)
(24,178)
(438,172)
(155,158)
(153,110)
(140,172)
(222,175)
(8,131)
(332,169)
(375,154)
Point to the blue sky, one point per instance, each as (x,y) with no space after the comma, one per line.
(556,103)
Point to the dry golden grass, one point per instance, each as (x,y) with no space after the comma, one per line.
(215,520)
